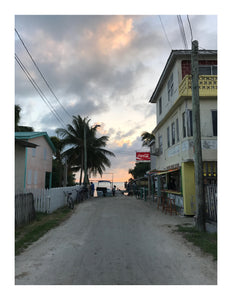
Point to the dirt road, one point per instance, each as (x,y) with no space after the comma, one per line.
(115,241)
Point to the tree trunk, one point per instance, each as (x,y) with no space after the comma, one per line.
(82,164)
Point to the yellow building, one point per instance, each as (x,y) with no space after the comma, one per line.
(172,152)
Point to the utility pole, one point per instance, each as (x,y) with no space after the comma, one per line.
(65,171)
(199,188)
(85,157)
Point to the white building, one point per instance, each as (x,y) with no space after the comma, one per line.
(173,166)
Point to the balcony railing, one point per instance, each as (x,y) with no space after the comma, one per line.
(207,86)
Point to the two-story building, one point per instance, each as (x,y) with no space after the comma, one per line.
(172,163)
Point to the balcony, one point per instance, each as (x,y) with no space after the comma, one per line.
(207,86)
(156,152)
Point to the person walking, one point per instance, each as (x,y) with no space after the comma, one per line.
(113,190)
(92,189)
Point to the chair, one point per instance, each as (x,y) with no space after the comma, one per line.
(171,206)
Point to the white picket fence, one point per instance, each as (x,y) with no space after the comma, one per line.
(48,200)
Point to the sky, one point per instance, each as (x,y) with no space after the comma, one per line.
(104,67)
(108,73)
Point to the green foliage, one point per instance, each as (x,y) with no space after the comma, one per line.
(140,169)
(147,137)
(26,235)
(97,155)
(206,241)
(19,128)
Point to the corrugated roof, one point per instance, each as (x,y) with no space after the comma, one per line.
(25,143)
(32,135)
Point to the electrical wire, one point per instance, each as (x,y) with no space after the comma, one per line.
(190,27)
(210,51)
(39,91)
(165,33)
(46,82)
(182,31)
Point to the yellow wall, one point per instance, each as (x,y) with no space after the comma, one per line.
(188,187)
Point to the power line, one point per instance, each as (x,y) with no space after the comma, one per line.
(48,85)
(39,91)
(165,33)
(182,31)
(190,27)
(210,51)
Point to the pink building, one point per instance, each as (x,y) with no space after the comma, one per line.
(33,160)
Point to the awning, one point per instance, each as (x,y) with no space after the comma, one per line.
(157,173)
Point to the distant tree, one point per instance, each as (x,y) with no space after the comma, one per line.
(73,137)
(17,116)
(57,164)
(139,170)
(19,128)
(147,137)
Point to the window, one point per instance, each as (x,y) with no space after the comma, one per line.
(173,133)
(45,153)
(160,105)
(168,137)
(160,144)
(214,121)
(177,131)
(174,181)
(207,70)
(190,123)
(170,87)
(33,152)
(184,125)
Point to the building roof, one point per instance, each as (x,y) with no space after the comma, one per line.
(174,55)
(25,143)
(31,135)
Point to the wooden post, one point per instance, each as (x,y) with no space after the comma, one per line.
(200,201)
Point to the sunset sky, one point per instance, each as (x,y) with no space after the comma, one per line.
(104,67)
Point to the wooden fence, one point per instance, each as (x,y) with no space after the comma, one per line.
(211,202)
(24,209)
(29,201)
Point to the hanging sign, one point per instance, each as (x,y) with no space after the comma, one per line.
(143,156)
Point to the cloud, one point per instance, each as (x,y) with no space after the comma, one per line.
(103,67)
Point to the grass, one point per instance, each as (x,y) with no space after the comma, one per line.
(206,241)
(26,235)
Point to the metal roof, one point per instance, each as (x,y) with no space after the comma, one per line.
(25,143)
(31,135)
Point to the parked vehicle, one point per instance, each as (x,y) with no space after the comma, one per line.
(104,188)
(70,202)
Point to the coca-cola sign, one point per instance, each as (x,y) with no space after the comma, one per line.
(143,156)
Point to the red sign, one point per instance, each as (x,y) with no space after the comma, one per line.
(143,156)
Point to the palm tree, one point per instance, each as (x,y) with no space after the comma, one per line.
(147,138)
(73,136)
(57,165)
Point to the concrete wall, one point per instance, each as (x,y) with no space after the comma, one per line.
(183,150)
(39,161)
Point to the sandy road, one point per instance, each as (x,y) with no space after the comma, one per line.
(115,241)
